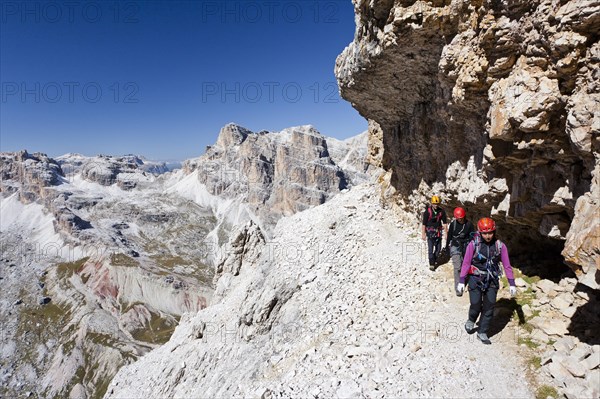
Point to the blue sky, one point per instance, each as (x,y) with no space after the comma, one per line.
(161,78)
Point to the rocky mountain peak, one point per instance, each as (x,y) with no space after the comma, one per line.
(28,173)
(232,135)
(288,171)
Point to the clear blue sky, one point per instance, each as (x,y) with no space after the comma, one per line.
(161,78)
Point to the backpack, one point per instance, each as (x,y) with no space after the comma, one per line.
(492,270)
(460,240)
(434,231)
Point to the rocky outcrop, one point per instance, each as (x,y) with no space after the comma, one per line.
(493,105)
(29,174)
(278,173)
(244,243)
(111,310)
(564,319)
(124,171)
(74,163)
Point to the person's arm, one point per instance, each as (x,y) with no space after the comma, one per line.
(449,234)
(424,222)
(507,267)
(445,223)
(466,265)
(470,229)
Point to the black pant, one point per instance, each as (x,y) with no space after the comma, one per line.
(482,299)
(434,245)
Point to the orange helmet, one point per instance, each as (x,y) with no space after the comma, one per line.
(486,225)
(459,213)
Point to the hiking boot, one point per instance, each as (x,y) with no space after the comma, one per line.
(484,338)
(459,293)
(432,267)
(470,327)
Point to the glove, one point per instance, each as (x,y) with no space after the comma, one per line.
(460,288)
(513,291)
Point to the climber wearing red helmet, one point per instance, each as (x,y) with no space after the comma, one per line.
(481,269)
(460,233)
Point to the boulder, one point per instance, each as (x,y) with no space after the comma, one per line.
(550,327)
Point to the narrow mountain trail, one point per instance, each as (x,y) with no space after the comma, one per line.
(340,304)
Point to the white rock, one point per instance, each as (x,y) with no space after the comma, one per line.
(581,352)
(348,389)
(559,372)
(593,379)
(565,344)
(574,392)
(593,361)
(539,335)
(569,312)
(575,367)
(550,327)
(519,282)
(561,302)
(545,285)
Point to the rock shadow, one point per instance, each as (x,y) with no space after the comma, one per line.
(585,323)
(503,312)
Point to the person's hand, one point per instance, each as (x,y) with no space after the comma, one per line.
(513,291)
(423,237)
(460,288)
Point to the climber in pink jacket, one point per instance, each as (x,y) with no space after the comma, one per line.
(481,270)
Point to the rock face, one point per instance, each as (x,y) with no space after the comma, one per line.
(29,174)
(278,173)
(125,171)
(496,105)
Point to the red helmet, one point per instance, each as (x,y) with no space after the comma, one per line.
(459,213)
(486,225)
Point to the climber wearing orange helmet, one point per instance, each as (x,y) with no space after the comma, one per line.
(481,269)
(459,234)
(434,221)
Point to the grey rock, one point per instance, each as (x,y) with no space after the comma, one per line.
(519,282)
(45,300)
(575,367)
(559,372)
(565,344)
(593,361)
(550,327)
(545,286)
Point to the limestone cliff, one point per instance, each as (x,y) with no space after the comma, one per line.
(496,104)
(278,173)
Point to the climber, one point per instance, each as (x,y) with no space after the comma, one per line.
(481,269)
(434,221)
(459,234)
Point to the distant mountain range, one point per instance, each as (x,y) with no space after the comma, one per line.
(105,253)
